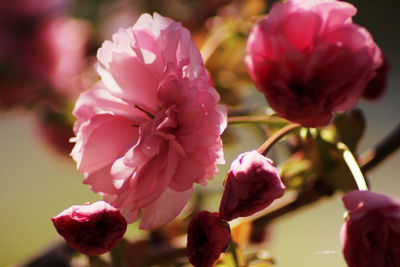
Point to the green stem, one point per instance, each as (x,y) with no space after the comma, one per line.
(353,166)
(264,148)
(259,119)
(232,249)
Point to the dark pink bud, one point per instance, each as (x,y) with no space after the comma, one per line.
(251,185)
(91,229)
(208,237)
(371,235)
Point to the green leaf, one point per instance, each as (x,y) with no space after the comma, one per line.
(350,127)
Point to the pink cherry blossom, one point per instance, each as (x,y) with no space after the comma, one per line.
(151,127)
(309,59)
(371,235)
(92,229)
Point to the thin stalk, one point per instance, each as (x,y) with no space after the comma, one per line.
(264,148)
(353,166)
(232,249)
(381,151)
(259,119)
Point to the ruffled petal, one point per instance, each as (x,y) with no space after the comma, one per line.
(101,140)
(165,208)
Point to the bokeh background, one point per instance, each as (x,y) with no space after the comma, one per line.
(37,182)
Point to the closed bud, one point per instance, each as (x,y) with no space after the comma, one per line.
(208,237)
(371,235)
(91,229)
(251,185)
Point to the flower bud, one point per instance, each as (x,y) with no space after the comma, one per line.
(371,235)
(250,186)
(91,229)
(208,237)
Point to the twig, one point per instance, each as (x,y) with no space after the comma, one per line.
(58,254)
(260,119)
(264,148)
(381,151)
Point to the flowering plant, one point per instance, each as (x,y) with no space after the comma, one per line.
(272,87)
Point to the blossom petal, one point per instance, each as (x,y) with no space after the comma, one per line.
(101,140)
(165,208)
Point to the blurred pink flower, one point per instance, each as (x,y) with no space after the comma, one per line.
(251,185)
(371,235)
(30,7)
(208,236)
(151,128)
(42,53)
(92,229)
(56,52)
(309,59)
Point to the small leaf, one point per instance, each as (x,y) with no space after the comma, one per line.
(350,127)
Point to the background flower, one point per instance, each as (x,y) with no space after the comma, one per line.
(371,235)
(151,128)
(309,59)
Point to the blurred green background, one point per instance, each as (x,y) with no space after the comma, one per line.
(36,183)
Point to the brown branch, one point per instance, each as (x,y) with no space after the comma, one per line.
(381,151)
(58,254)
(314,191)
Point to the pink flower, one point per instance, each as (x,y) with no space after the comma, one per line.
(30,7)
(371,235)
(309,59)
(91,229)
(44,47)
(151,128)
(208,237)
(251,185)
(55,53)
